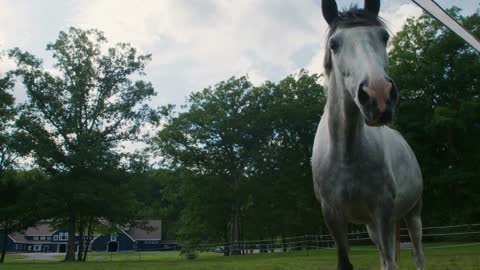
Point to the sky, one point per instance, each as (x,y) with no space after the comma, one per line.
(194,43)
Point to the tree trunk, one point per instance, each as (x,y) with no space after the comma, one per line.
(70,255)
(81,239)
(89,238)
(235,232)
(226,247)
(5,241)
(242,239)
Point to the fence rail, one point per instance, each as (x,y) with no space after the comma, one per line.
(453,233)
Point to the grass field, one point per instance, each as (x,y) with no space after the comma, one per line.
(463,258)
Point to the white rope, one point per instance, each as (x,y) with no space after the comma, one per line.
(447,227)
(427,247)
(358,249)
(452,246)
(437,12)
(447,234)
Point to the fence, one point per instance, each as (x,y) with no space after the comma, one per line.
(452,236)
(442,244)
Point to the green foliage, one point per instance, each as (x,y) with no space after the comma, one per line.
(248,152)
(74,121)
(10,147)
(17,212)
(293,109)
(159,193)
(214,138)
(438,75)
(6,99)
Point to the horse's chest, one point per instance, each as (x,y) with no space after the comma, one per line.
(352,186)
(347,182)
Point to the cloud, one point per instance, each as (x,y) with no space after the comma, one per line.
(14,24)
(194,43)
(14,30)
(198,43)
(396,16)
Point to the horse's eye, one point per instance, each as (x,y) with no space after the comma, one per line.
(385,37)
(334,44)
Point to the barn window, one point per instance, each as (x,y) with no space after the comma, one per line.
(63,236)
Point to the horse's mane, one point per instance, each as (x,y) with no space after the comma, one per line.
(349,18)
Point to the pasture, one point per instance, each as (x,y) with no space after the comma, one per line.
(452,258)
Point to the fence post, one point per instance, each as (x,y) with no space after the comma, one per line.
(397,242)
(305,241)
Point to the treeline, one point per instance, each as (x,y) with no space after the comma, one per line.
(438,75)
(248,152)
(235,159)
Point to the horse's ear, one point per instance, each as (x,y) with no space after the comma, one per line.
(372,6)
(329,10)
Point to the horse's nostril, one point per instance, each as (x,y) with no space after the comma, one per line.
(363,96)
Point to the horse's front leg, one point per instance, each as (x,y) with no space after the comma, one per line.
(373,232)
(338,228)
(386,227)
(414,225)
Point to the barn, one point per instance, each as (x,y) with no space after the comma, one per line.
(37,239)
(146,235)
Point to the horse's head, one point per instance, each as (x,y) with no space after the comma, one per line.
(357,58)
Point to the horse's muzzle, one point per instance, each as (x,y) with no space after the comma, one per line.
(377,99)
(382,119)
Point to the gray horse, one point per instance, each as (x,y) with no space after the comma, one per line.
(363,171)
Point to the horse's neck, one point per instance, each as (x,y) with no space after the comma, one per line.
(345,124)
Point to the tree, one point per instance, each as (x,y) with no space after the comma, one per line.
(10,148)
(214,138)
(248,152)
(17,212)
(76,117)
(14,213)
(293,107)
(160,193)
(438,75)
